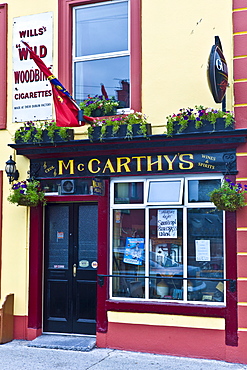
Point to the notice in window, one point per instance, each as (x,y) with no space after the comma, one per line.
(134,251)
(202,250)
(167,223)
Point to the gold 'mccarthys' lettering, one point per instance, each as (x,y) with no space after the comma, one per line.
(69,165)
(138,162)
(109,166)
(124,164)
(170,161)
(90,165)
(80,167)
(150,163)
(181,165)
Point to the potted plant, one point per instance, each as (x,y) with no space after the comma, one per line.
(25,133)
(99,105)
(199,119)
(124,126)
(27,193)
(229,197)
(42,131)
(55,133)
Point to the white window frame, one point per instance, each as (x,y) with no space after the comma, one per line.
(104,55)
(146,207)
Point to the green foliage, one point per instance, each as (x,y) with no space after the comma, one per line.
(229,197)
(33,131)
(27,193)
(198,115)
(129,120)
(107,106)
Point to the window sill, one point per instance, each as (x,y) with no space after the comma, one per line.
(185,309)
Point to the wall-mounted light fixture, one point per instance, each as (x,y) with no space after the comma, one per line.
(11,171)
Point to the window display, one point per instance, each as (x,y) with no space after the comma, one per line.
(101,53)
(171,253)
(128,253)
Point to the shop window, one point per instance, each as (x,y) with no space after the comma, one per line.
(169,191)
(128,192)
(101,54)
(167,252)
(199,189)
(100,43)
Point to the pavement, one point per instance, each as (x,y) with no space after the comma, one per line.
(19,355)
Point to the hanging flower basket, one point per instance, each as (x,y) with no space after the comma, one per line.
(27,194)
(229,197)
(24,201)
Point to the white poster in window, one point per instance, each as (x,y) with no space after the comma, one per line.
(167,223)
(202,250)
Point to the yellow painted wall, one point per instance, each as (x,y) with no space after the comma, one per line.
(177,37)
(166,320)
(176,41)
(15,233)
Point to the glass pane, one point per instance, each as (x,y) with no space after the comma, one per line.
(89,75)
(205,254)
(166,253)
(128,253)
(101,29)
(164,191)
(88,237)
(131,192)
(199,189)
(58,241)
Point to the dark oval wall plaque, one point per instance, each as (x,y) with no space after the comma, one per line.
(217,74)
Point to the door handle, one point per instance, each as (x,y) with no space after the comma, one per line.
(74,269)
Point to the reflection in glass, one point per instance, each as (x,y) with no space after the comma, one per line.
(164,191)
(205,254)
(58,239)
(128,192)
(199,189)
(101,29)
(128,253)
(90,74)
(166,258)
(88,235)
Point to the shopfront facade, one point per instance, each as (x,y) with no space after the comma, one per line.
(129,247)
(132,243)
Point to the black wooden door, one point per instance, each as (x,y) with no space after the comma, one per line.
(70,268)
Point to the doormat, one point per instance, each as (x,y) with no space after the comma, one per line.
(67,342)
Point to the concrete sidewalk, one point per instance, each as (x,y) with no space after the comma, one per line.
(16,355)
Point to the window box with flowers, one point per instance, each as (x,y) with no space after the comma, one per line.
(42,131)
(124,127)
(27,193)
(199,119)
(98,106)
(229,197)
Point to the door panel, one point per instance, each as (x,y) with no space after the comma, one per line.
(71,268)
